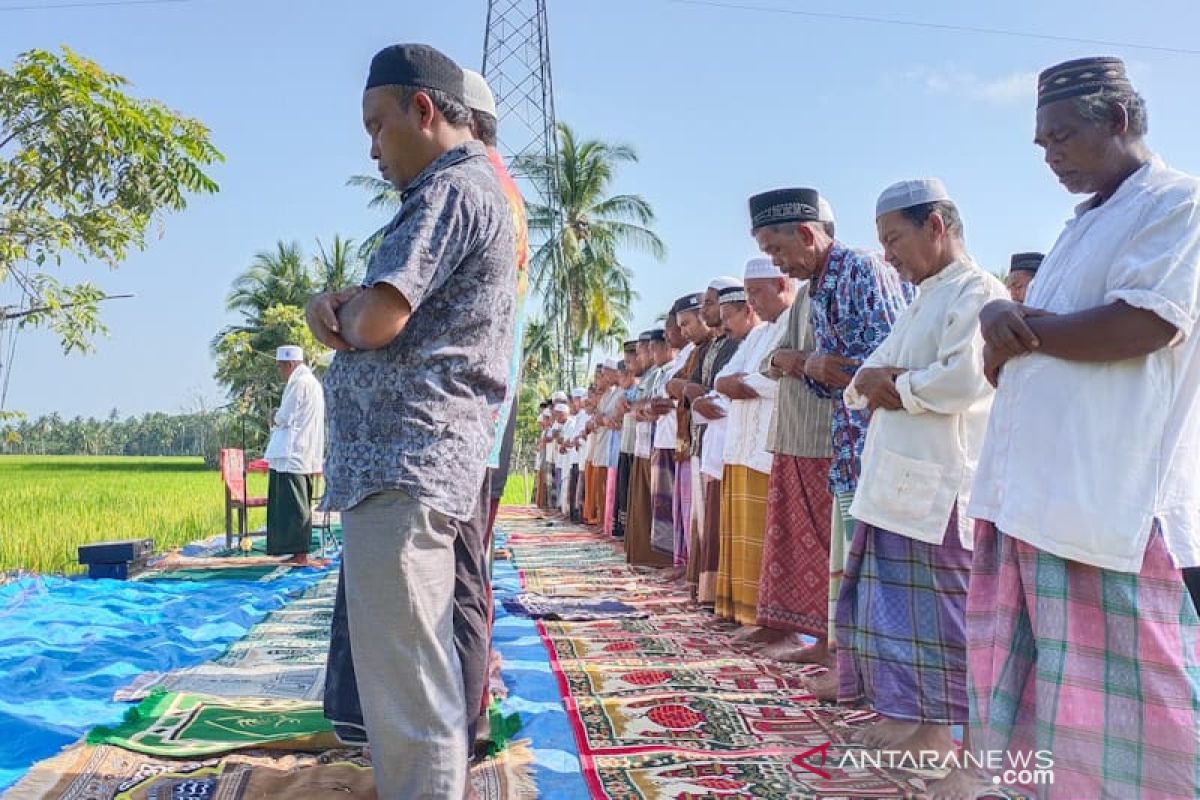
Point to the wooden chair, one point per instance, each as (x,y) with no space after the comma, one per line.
(233,475)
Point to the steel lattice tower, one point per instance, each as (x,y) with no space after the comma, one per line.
(516,64)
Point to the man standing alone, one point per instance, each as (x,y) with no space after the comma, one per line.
(294,453)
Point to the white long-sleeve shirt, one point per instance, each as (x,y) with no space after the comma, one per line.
(919,461)
(667,428)
(712,462)
(297,442)
(750,420)
(1081,459)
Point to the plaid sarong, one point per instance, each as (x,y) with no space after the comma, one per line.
(902,639)
(1099,667)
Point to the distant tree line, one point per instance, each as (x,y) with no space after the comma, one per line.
(196,433)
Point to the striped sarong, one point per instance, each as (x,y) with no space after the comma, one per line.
(710,543)
(902,626)
(743,529)
(1101,668)
(662,502)
(793,595)
(681,503)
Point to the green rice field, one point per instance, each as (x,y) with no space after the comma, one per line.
(49,505)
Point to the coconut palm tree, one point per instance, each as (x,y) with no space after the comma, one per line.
(275,277)
(586,289)
(339,267)
(384,197)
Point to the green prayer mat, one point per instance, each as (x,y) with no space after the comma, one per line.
(181,725)
(264,573)
(258,543)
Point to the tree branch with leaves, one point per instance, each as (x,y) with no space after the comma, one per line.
(85,171)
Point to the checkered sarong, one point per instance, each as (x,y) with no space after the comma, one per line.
(1101,668)
(901,617)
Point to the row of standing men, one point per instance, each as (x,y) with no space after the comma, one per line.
(889,466)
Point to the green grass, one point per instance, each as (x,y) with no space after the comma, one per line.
(518,490)
(50,505)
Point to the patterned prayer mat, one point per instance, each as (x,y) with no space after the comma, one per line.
(540,606)
(667,707)
(262,573)
(646,678)
(293,652)
(181,725)
(85,772)
(270,681)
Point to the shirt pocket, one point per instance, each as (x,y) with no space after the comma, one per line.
(908,486)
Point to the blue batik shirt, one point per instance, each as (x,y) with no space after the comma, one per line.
(855,300)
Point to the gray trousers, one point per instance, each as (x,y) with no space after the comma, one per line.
(398,559)
(472,633)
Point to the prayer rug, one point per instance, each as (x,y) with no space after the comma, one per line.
(268,681)
(86,772)
(665,707)
(248,653)
(643,678)
(538,606)
(263,573)
(187,725)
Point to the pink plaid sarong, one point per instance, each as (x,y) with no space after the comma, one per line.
(1100,668)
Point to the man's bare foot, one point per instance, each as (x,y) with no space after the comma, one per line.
(752,635)
(824,686)
(887,734)
(784,644)
(931,739)
(302,560)
(794,651)
(960,784)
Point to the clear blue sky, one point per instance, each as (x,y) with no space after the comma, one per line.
(718,102)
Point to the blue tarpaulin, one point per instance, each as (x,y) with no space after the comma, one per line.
(533,693)
(67,645)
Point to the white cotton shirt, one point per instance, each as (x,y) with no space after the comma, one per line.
(581,421)
(666,430)
(1081,459)
(712,462)
(297,443)
(750,420)
(918,463)
(644,432)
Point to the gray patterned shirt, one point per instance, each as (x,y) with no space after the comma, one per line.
(418,415)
